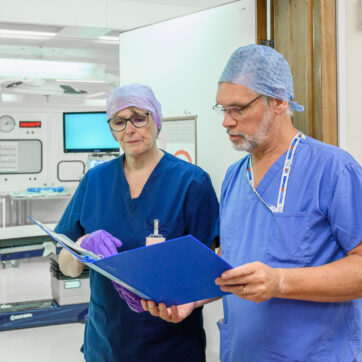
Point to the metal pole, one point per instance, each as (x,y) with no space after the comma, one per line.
(3,202)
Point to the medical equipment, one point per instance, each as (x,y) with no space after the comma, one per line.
(17,205)
(70,296)
(95,159)
(66,290)
(19,242)
(87,132)
(7,123)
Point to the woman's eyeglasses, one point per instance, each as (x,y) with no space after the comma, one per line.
(138,120)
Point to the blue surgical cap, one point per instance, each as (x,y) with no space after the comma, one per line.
(134,95)
(263,70)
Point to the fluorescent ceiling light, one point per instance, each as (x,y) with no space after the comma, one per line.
(49,69)
(11,98)
(20,37)
(94,95)
(25,33)
(111,38)
(80,81)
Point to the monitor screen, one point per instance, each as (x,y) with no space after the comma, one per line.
(87,132)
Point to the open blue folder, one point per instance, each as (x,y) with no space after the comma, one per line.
(174,272)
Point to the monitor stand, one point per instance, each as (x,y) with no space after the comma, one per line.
(94,159)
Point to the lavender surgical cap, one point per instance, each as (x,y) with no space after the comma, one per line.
(134,95)
(263,70)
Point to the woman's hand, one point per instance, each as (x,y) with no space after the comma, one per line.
(101,243)
(174,314)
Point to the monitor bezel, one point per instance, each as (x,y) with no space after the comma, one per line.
(84,150)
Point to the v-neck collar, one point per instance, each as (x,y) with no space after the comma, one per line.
(147,185)
(274,169)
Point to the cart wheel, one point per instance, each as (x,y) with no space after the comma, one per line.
(14,263)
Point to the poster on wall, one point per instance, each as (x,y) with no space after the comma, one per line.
(178,137)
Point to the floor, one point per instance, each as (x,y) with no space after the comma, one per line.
(56,343)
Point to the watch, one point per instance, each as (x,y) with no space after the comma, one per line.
(7,123)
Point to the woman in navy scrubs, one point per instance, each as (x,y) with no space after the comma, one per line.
(123,197)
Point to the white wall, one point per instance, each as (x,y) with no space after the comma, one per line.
(182,59)
(353,81)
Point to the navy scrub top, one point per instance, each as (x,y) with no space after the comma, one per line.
(181,196)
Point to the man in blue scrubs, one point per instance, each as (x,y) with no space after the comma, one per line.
(124,197)
(290,223)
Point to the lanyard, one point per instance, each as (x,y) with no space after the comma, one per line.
(285,175)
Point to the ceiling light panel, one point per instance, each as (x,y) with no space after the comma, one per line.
(110,38)
(81,81)
(50,69)
(82,32)
(26,33)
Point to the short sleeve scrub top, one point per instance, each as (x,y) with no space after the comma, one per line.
(180,195)
(320,223)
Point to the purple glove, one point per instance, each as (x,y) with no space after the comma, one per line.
(101,243)
(133,300)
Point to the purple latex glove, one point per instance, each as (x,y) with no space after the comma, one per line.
(133,300)
(101,243)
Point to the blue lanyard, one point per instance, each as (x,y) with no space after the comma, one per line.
(285,175)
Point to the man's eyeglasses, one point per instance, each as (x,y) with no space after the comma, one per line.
(233,111)
(138,120)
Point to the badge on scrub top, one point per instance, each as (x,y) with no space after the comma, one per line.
(155,238)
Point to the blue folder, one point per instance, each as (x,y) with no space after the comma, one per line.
(174,272)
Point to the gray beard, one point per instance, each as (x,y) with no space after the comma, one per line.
(250,143)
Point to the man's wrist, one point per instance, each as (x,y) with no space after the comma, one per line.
(281,284)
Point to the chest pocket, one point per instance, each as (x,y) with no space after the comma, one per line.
(168,229)
(289,242)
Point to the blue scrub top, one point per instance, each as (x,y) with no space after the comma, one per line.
(321,222)
(181,196)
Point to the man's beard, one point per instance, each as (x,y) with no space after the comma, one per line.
(250,143)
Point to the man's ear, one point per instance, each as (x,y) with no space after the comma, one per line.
(279,106)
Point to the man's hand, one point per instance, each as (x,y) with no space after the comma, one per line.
(254,281)
(175,314)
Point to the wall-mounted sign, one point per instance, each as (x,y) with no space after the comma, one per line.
(178,137)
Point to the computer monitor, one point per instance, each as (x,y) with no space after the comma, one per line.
(87,132)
